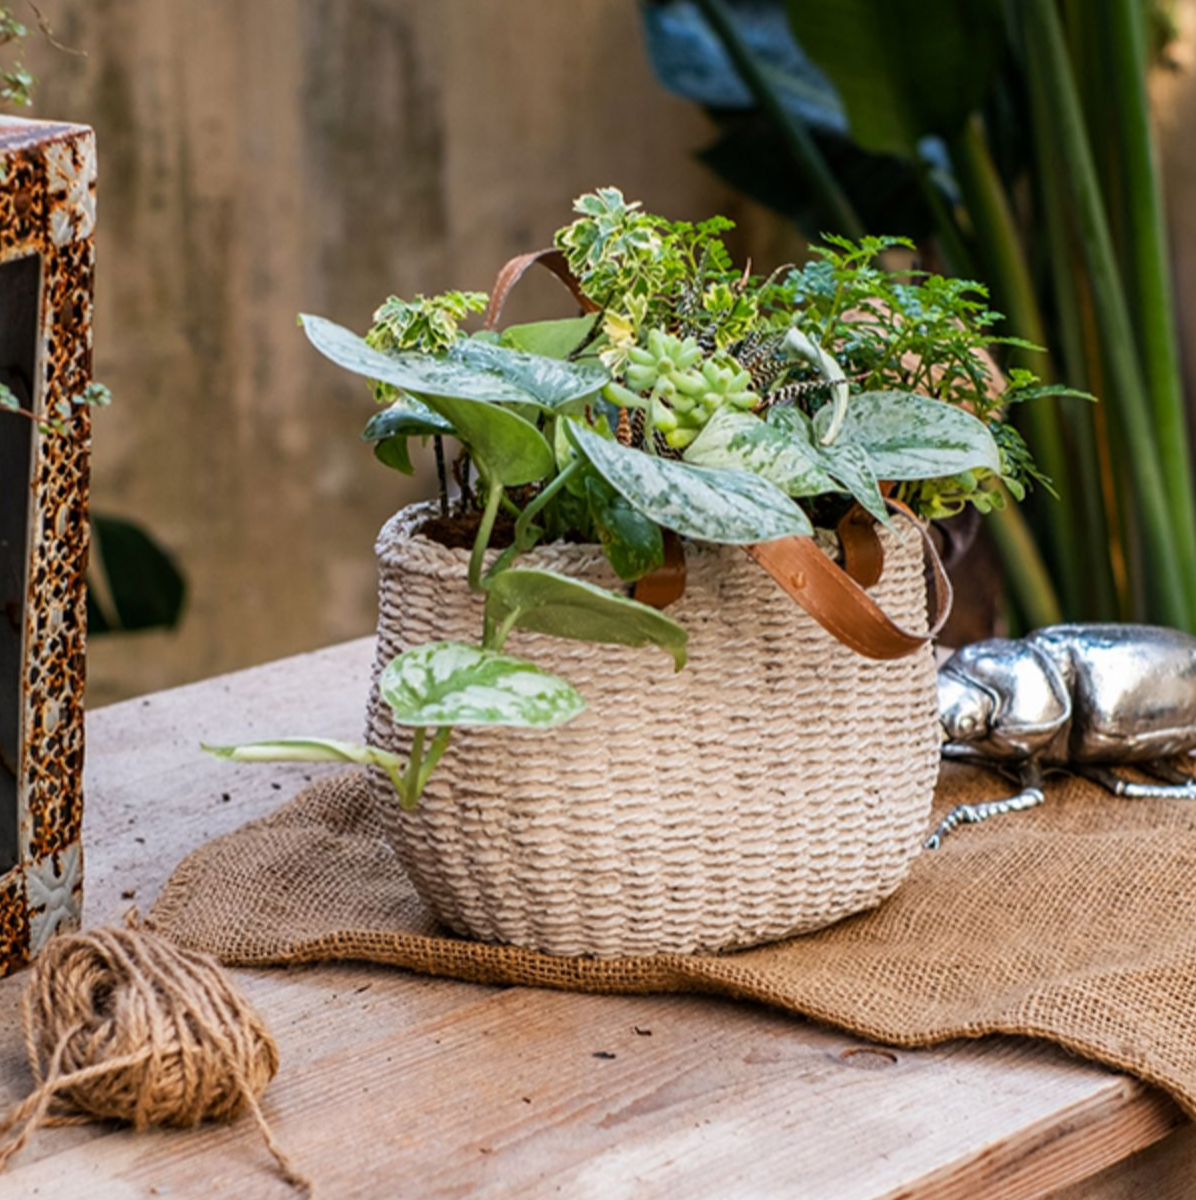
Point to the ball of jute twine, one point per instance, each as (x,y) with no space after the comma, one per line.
(122,1025)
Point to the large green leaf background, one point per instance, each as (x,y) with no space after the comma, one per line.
(903,68)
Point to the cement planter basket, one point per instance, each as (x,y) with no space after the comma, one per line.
(777,784)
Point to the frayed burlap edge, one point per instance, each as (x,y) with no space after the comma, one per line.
(1075,923)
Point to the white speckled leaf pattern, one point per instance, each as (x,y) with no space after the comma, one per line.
(471,370)
(783,456)
(417,373)
(852,466)
(450,683)
(723,505)
(908,436)
(546,382)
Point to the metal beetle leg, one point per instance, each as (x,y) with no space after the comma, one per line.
(1030,796)
(1129,790)
(1167,771)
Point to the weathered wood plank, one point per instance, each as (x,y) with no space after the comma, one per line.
(1164,1171)
(396,1084)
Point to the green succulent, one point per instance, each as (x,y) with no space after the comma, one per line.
(684,387)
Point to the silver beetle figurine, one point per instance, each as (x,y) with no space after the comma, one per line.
(1073,697)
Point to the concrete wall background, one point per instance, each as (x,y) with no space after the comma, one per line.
(264,157)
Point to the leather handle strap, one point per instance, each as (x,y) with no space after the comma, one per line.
(841,606)
(551,259)
(661,587)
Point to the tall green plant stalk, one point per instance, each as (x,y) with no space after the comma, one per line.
(999,248)
(1148,280)
(1164,520)
(1028,580)
(1092,508)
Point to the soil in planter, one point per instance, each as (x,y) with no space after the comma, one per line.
(458,530)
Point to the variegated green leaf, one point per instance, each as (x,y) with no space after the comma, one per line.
(909,436)
(632,543)
(845,466)
(546,602)
(546,382)
(782,455)
(851,466)
(450,683)
(423,375)
(711,505)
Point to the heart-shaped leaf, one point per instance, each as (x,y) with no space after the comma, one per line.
(505,448)
(555,339)
(781,454)
(548,383)
(390,429)
(711,505)
(633,544)
(910,436)
(845,466)
(546,602)
(450,683)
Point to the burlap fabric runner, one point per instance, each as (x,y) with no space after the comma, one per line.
(1075,922)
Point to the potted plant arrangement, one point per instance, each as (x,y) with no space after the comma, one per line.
(624,459)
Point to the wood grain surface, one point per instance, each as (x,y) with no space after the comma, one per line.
(398,1085)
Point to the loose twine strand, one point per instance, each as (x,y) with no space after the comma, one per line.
(122,1025)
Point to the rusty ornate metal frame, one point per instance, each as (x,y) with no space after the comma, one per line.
(47,217)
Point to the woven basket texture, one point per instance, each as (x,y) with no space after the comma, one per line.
(778,783)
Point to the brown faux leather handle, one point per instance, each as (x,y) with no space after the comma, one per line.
(661,587)
(840,605)
(550,259)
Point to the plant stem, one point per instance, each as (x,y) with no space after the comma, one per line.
(494,637)
(539,500)
(494,496)
(1172,553)
(435,750)
(441,473)
(465,464)
(801,146)
(408,793)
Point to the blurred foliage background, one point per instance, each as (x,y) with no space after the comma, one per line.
(1015,141)
(261,159)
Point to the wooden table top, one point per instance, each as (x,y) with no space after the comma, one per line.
(393,1084)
